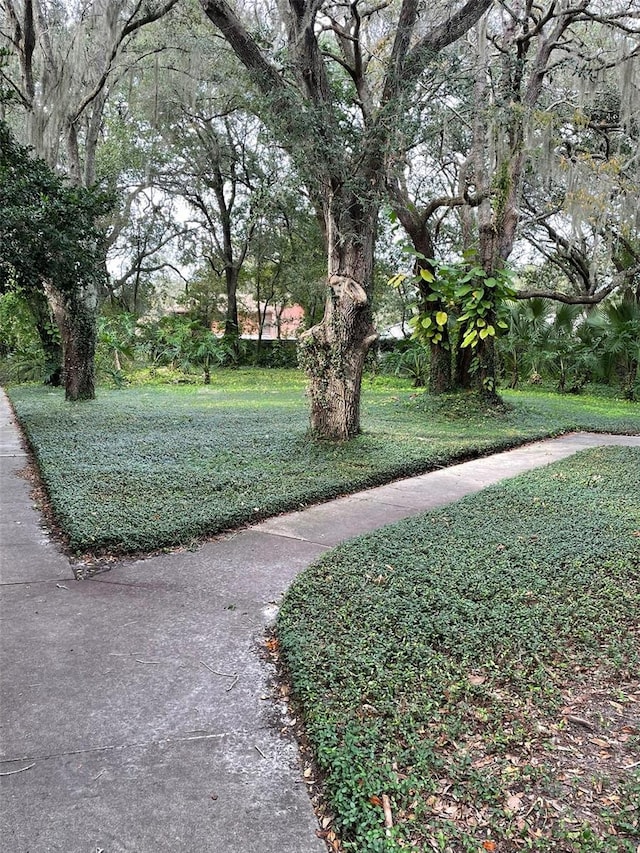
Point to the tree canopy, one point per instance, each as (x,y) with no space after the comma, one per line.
(48,228)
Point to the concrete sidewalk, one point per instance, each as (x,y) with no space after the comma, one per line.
(136,709)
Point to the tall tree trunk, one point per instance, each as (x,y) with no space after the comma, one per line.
(333,352)
(231,323)
(76,318)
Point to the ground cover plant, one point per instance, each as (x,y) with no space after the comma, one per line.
(154,466)
(477,669)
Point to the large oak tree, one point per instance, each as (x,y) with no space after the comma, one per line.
(336,84)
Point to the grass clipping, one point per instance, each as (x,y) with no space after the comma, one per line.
(476,669)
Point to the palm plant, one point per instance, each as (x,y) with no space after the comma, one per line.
(520,347)
(617,325)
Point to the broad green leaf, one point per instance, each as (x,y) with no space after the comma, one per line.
(463,291)
(441,318)
(427,275)
(484,333)
(469,339)
(425,322)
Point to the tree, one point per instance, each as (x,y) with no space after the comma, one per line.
(50,244)
(66,58)
(334,89)
(221,175)
(527,56)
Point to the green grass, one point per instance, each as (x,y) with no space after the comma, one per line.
(439,660)
(156,466)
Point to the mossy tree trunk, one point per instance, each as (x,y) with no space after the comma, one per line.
(333,352)
(76,317)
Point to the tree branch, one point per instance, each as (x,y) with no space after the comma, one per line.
(558,296)
(243,45)
(448,32)
(133,24)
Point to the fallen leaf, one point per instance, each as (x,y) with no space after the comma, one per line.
(513,803)
(477,679)
(375,800)
(489,845)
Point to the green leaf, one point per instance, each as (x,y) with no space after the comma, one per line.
(484,333)
(463,291)
(425,322)
(502,324)
(490,282)
(441,318)
(470,339)
(427,275)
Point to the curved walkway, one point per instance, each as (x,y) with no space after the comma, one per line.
(135,706)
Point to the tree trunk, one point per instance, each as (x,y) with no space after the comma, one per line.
(476,368)
(75,315)
(463,377)
(418,228)
(48,338)
(486,373)
(439,369)
(231,324)
(333,352)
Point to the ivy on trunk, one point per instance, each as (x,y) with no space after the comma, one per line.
(52,247)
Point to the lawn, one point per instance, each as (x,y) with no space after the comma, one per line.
(158,466)
(477,669)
